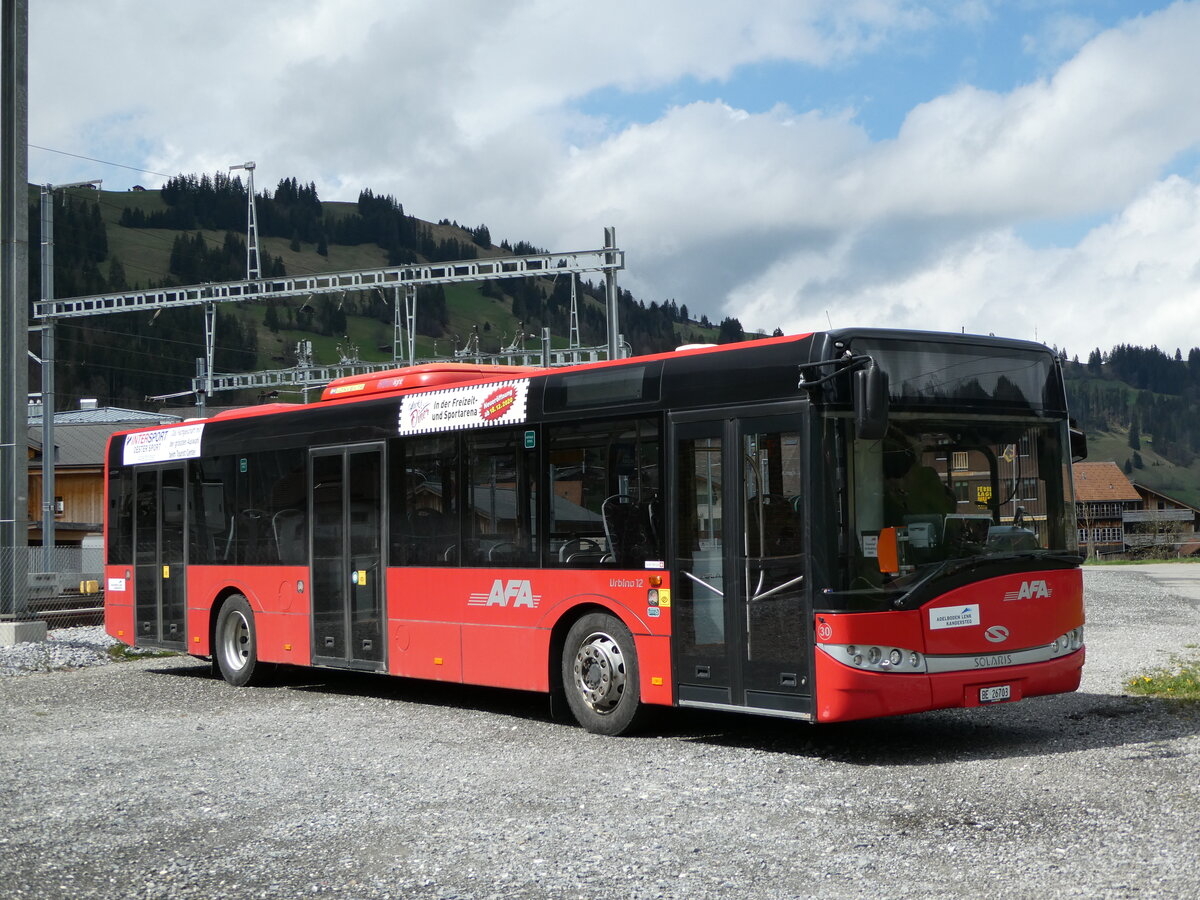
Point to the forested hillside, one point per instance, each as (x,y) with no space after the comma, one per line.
(193,231)
(1141,408)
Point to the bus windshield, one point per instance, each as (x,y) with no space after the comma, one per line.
(958,493)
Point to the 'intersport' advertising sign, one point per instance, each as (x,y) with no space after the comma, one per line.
(163,444)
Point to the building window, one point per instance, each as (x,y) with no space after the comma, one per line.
(1028,489)
(959,460)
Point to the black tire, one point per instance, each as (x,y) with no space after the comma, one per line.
(235,644)
(600,675)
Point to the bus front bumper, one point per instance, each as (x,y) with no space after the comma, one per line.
(845,693)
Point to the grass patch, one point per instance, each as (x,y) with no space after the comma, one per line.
(1178,681)
(1180,561)
(124,653)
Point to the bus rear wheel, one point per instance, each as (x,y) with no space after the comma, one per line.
(600,675)
(236,644)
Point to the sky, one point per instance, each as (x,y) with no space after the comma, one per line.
(1027,168)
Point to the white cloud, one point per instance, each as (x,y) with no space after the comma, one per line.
(470,111)
(1058,37)
(1135,279)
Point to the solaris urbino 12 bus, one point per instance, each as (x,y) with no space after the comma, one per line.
(822,527)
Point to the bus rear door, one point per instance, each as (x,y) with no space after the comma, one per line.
(158,538)
(739,607)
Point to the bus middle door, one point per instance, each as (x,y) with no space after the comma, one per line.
(347,563)
(739,600)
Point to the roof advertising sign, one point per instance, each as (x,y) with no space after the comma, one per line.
(477,406)
(163,444)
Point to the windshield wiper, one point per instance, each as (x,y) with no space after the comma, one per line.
(955,567)
(912,594)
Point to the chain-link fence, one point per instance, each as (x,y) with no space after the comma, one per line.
(66,585)
(12,572)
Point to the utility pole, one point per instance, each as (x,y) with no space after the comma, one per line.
(253,266)
(610,295)
(253,273)
(14,322)
(574,341)
(48,459)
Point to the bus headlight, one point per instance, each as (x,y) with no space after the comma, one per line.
(1067,643)
(877,658)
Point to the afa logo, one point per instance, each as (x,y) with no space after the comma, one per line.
(514,592)
(1030,590)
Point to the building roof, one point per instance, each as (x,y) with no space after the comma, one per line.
(105,414)
(78,445)
(1102,482)
(1144,489)
(183,413)
(80,435)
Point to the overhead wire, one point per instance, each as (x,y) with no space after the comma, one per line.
(100,199)
(103,162)
(66,339)
(113,205)
(146,237)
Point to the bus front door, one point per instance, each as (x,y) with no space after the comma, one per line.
(160,588)
(739,605)
(347,572)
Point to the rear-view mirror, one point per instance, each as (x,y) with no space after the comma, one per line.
(871,402)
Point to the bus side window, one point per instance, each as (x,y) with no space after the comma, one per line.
(423,487)
(211,529)
(604,499)
(120,517)
(629,526)
(399,500)
(269,482)
(501,513)
(288,509)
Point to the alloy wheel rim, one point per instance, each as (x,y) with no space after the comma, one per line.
(600,672)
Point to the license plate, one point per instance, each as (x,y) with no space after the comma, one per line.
(995,694)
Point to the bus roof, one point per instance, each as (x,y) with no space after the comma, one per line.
(433,376)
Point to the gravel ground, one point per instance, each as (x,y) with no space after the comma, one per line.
(64,648)
(151,779)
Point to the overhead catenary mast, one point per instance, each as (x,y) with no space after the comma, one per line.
(253,273)
(405,279)
(49,504)
(14,340)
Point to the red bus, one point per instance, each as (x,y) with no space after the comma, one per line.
(823,527)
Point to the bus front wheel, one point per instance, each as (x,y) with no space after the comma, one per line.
(236,644)
(600,674)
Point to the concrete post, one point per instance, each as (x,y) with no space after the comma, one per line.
(14,324)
